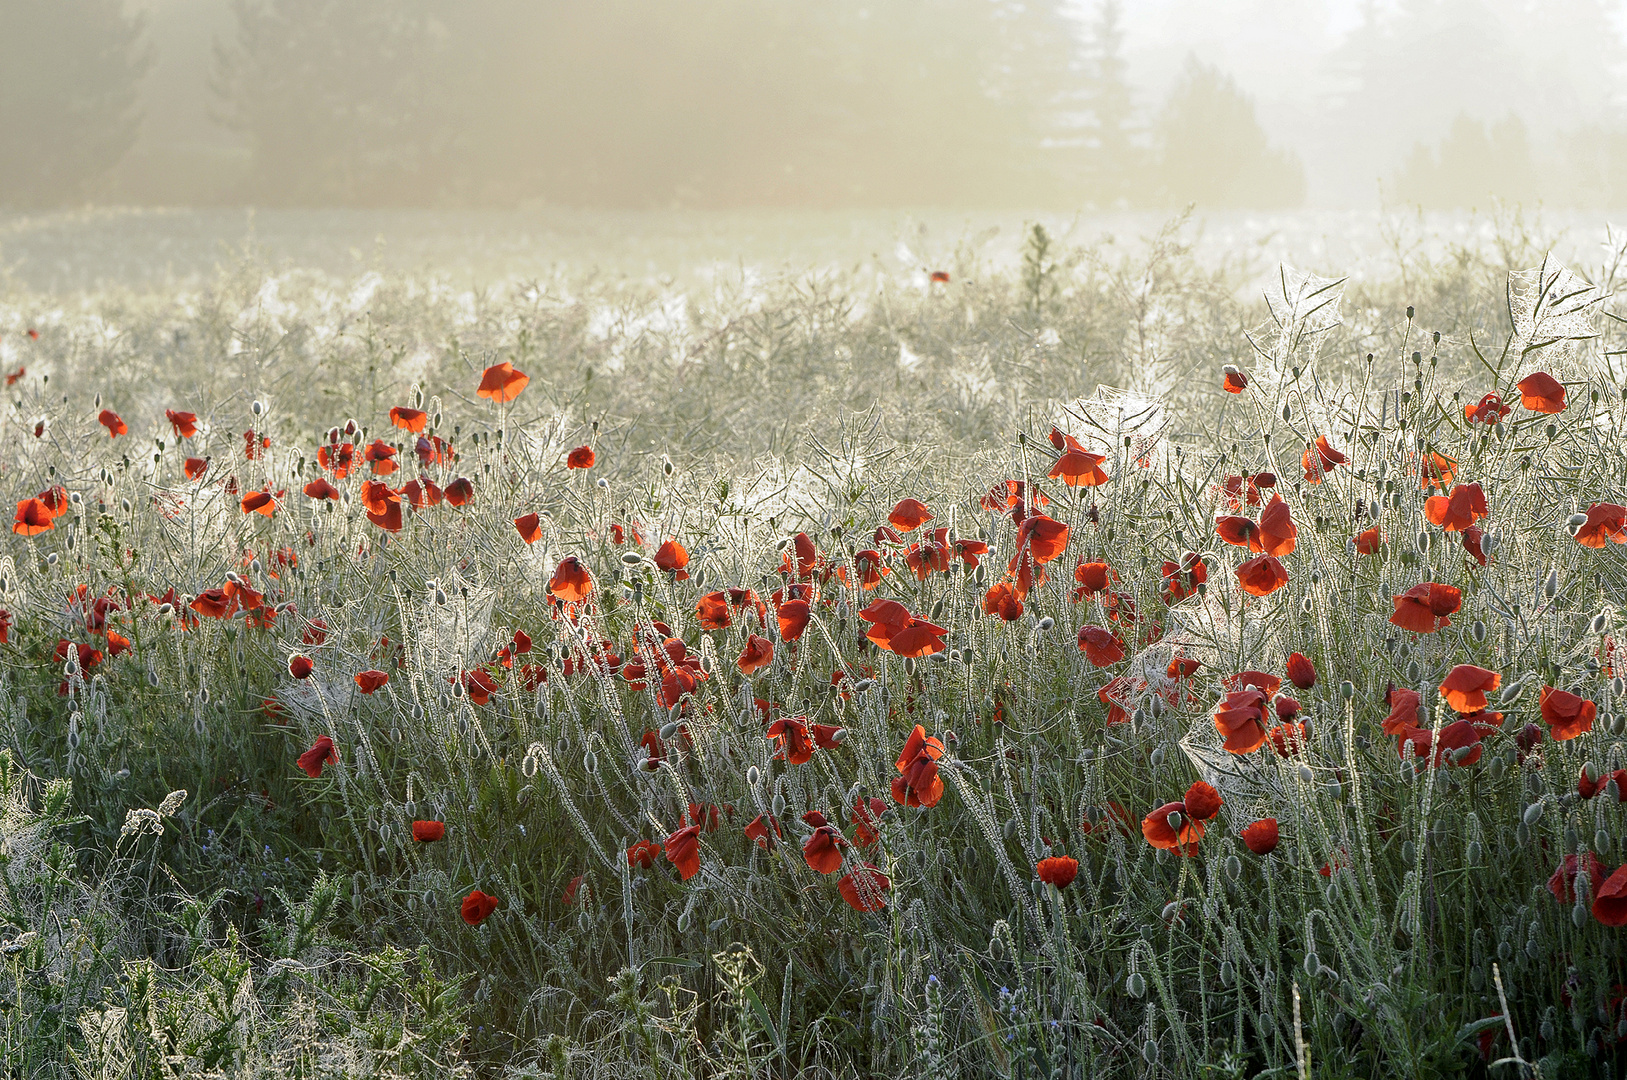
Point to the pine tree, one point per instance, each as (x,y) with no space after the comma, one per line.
(68,87)
(1115,164)
(1213,151)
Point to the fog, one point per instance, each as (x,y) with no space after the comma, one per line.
(821,104)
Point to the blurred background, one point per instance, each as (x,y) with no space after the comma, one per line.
(1093,105)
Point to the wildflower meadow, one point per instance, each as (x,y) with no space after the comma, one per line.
(1100,666)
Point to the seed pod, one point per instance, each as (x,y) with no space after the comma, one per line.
(1347,690)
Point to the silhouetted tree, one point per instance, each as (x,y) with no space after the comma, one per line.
(1116,166)
(69,71)
(1470,165)
(1213,152)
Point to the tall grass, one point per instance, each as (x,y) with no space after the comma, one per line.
(182,898)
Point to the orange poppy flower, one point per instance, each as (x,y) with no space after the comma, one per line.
(918,782)
(673,557)
(379,455)
(1261,837)
(460,492)
(502,383)
(529,528)
(1542,393)
(1002,600)
(712,611)
(422,492)
(1489,410)
(369,681)
(823,850)
(478,684)
(1466,686)
(1318,460)
(580,458)
(1423,609)
(758,653)
(1566,714)
(1368,541)
(337,459)
(1436,470)
(433,450)
(571,581)
(408,419)
(1606,523)
(1241,719)
(33,518)
(1093,577)
(1171,828)
(1232,380)
(1012,493)
(1202,801)
(909,514)
(321,489)
(940,277)
(1100,646)
(300,667)
(868,565)
(427,832)
(477,907)
(919,638)
(1078,467)
(1465,506)
(1177,581)
(793,619)
(1278,533)
(1042,537)
(683,851)
(1261,575)
(863,888)
(185,424)
(1287,739)
(321,753)
(1058,870)
(259,502)
(1238,531)
(110,420)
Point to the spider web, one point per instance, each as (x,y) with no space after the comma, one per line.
(1552,308)
(1303,308)
(1111,414)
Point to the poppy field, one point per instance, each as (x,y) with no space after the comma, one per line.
(1095,669)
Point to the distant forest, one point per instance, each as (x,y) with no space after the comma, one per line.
(678,103)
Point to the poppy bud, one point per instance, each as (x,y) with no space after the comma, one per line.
(1477,630)
(1045,624)
(590,761)
(1234,867)
(1550,586)
(257,408)
(1174,819)
(1601,841)
(1149,1051)
(1533,813)
(1471,852)
(1409,851)
(1157,756)
(754,776)
(1579,915)
(778,805)
(1228,973)
(1600,623)
(1306,775)
(1135,985)
(1347,689)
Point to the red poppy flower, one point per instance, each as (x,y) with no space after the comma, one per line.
(1261,575)
(1181,580)
(379,455)
(110,420)
(673,557)
(300,667)
(1278,534)
(940,277)
(259,502)
(422,493)
(823,850)
(1320,459)
(1241,720)
(408,419)
(321,753)
(572,887)
(13,377)
(1002,600)
(1455,513)
(1466,686)
(869,567)
(1436,471)
(460,492)
(185,424)
(1542,393)
(529,528)
(909,514)
(1566,715)
(382,506)
(1368,541)
(764,830)
(793,619)
(918,782)
(1606,523)
(321,489)
(502,383)
(683,851)
(1093,577)
(479,685)
(337,459)
(1233,381)
(1459,735)
(1171,828)
(194,467)
(1610,902)
(1041,537)
(33,334)
(571,581)
(1078,467)
(1202,801)
(477,906)
(791,733)
(33,518)
(1287,739)
(1100,646)
(427,832)
(1058,870)
(580,458)
(1011,493)
(1238,531)
(1403,705)
(1261,837)
(1301,672)
(1424,609)
(1563,882)
(369,681)
(642,855)
(1489,410)
(433,450)
(863,888)
(866,814)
